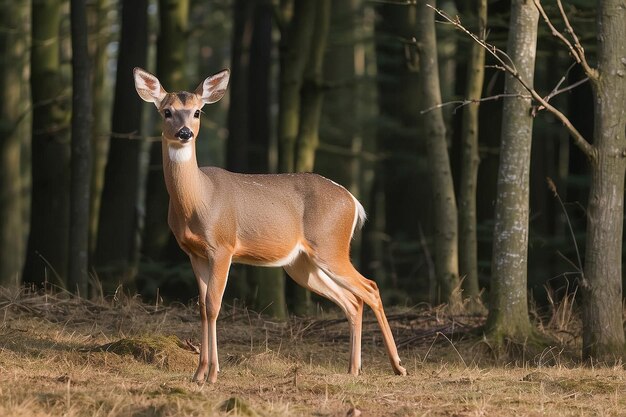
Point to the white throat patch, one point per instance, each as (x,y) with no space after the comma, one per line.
(182,154)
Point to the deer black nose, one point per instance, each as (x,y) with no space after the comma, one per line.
(184,133)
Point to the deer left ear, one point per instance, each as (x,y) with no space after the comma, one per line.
(214,87)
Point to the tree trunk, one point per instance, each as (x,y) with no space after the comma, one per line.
(171,64)
(270,282)
(508,309)
(312,91)
(603,332)
(49,222)
(238,123)
(116,254)
(468,247)
(78,265)
(14,105)
(101,112)
(444,202)
(295,44)
(239,89)
(311,95)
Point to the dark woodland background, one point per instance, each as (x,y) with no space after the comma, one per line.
(361,115)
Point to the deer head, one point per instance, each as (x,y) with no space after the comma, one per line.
(180,110)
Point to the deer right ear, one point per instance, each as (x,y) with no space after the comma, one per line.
(148,87)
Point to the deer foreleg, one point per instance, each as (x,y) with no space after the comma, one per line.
(218,275)
(202,279)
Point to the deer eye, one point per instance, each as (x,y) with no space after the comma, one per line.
(167,113)
(196,114)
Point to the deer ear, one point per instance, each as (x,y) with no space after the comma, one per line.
(148,87)
(213,88)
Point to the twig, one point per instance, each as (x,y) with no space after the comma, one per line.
(463,103)
(454,347)
(556,91)
(552,187)
(555,32)
(575,49)
(395,3)
(591,72)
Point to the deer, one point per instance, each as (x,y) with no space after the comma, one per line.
(301,222)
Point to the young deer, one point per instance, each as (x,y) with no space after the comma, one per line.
(301,222)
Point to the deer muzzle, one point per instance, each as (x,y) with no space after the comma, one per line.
(184,134)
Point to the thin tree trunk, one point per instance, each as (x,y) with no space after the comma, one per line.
(468,247)
(312,92)
(116,254)
(49,221)
(508,308)
(171,64)
(238,122)
(101,113)
(444,202)
(14,19)
(295,45)
(239,89)
(270,282)
(603,332)
(78,264)
(311,95)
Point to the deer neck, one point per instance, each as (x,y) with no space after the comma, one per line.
(183,178)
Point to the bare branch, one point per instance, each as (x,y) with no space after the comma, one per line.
(591,72)
(555,32)
(561,81)
(563,90)
(463,103)
(577,137)
(395,3)
(575,49)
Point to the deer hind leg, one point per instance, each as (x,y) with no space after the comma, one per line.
(308,275)
(215,274)
(346,276)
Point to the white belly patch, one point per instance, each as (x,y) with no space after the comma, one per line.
(287,260)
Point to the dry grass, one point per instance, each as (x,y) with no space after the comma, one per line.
(64,356)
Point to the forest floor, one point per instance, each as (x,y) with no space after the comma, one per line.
(60,355)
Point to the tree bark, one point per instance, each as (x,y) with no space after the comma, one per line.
(307,140)
(297,51)
(49,220)
(102,114)
(508,308)
(171,64)
(468,177)
(444,202)
(248,145)
(116,254)
(78,264)
(312,92)
(14,39)
(295,44)
(239,88)
(270,282)
(603,332)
